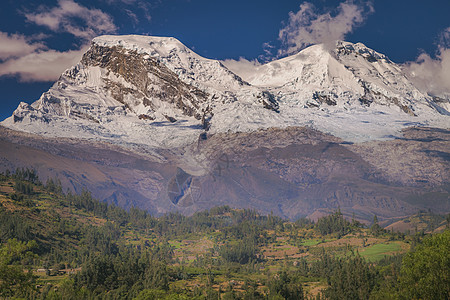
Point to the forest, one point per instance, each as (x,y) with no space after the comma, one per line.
(56,244)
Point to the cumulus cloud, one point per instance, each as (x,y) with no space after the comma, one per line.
(69,16)
(242,67)
(41,65)
(307,26)
(432,75)
(16,45)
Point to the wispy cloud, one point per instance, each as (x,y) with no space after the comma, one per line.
(30,59)
(307,26)
(16,45)
(145,8)
(41,65)
(69,16)
(432,75)
(132,15)
(242,67)
(136,7)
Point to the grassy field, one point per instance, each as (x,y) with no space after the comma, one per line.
(379,251)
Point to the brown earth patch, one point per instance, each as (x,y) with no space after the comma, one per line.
(6,189)
(281,251)
(189,249)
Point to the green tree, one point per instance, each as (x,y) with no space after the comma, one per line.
(349,278)
(23,187)
(283,286)
(242,252)
(334,223)
(376,229)
(425,272)
(13,280)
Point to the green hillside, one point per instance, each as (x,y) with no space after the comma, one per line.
(57,245)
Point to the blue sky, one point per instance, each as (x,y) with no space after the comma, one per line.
(39,39)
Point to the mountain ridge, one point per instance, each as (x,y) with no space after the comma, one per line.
(352,92)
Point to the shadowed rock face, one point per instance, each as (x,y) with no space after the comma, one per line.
(291,172)
(420,158)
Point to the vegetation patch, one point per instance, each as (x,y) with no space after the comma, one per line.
(65,246)
(379,251)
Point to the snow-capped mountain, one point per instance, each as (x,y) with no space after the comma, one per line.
(157,92)
(348,74)
(145,121)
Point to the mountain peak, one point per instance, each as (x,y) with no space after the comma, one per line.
(347,48)
(152,45)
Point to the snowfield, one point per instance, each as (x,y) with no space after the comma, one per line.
(351,92)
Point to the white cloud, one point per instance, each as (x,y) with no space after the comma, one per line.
(41,65)
(307,27)
(73,18)
(16,45)
(432,75)
(242,67)
(444,38)
(30,59)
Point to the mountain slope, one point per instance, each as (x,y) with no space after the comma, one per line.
(291,172)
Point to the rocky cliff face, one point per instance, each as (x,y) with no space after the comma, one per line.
(146,82)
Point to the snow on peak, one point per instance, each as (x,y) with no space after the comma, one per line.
(152,45)
(155,91)
(349,74)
